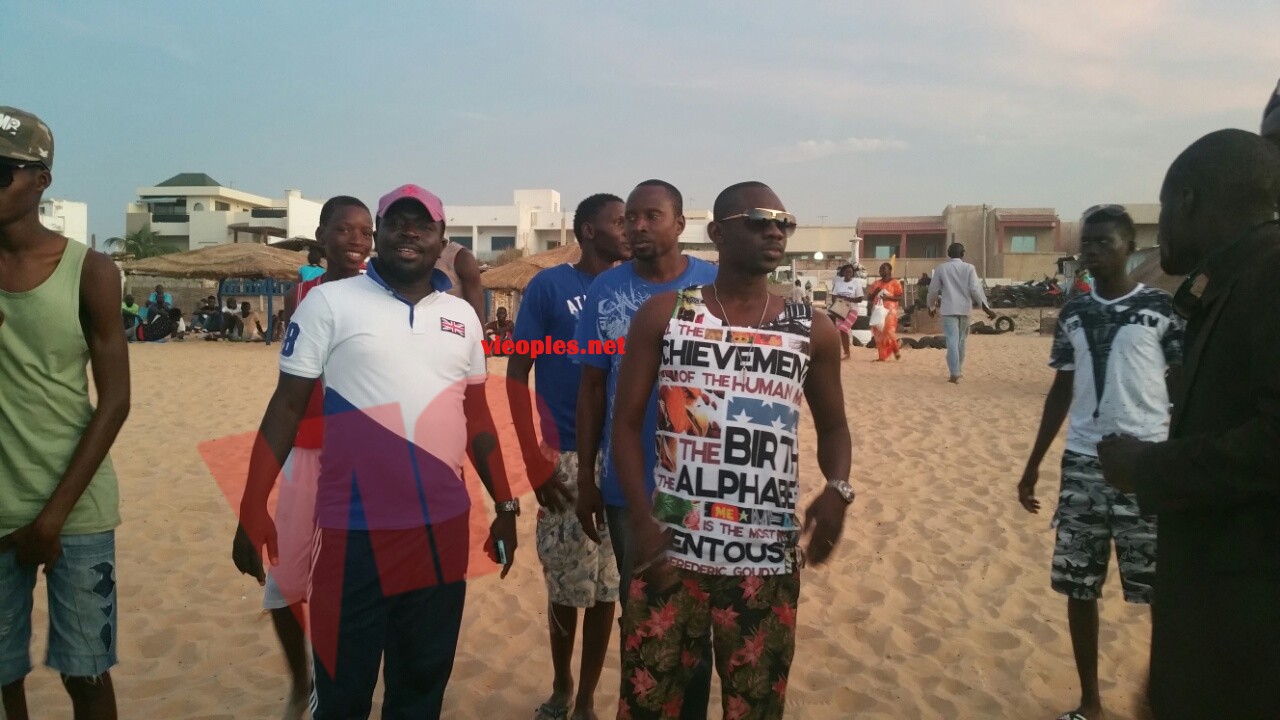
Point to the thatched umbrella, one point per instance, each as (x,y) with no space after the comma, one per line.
(249,261)
(236,260)
(516,275)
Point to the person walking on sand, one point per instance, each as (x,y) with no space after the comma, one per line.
(955,289)
(741,358)
(346,235)
(1113,349)
(579,572)
(848,291)
(887,292)
(59,502)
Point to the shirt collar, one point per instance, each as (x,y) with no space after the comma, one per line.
(440,281)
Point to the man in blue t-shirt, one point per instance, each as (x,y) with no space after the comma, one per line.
(654,221)
(579,573)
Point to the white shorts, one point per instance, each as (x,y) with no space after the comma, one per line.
(287,583)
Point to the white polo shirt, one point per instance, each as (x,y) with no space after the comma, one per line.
(395,376)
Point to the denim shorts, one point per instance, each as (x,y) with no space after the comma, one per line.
(82,609)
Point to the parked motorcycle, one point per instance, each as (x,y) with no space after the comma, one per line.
(1044,293)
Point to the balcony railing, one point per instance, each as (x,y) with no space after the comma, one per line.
(268,213)
(170,218)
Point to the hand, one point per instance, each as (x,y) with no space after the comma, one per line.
(590,509)
(1119,455)
(503,530)
(823,523)
(38,543)
(552,493)
(991,314)
(1027,490)
(933,312)
(246,556)
(651,553)
(256,529)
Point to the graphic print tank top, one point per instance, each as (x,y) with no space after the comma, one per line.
(728,452)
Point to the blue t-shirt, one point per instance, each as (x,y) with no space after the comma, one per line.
(614,298)
(550,308)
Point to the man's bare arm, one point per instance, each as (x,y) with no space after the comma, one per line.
(483,447)
(636,379)
(109,359)
(826,399)
(468,270)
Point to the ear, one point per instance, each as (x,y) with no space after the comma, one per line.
(714,232)
(44,179)
(680,222)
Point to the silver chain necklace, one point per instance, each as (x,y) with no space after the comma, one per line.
(742,369)
(763,310)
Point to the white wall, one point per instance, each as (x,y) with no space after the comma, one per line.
(303,215)
(67,217)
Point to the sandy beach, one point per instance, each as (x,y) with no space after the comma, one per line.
(937,603)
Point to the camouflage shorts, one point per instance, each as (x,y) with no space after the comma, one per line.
(579,573)
(1090,515)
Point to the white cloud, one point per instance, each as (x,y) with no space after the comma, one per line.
(807,150)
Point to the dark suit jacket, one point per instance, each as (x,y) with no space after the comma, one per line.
(1215,485)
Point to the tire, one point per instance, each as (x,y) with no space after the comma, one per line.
(1004,323)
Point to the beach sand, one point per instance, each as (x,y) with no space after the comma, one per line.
(937,603)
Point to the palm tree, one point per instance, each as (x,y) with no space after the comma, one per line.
(142,243)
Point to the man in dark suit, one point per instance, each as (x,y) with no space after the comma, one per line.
(1215,484)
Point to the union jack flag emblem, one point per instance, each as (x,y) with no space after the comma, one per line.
(453,326)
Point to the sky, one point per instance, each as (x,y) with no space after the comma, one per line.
(845,108)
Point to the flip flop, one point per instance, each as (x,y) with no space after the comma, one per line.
(547,711)
(1073,715)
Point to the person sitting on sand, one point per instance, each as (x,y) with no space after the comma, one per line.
(1112,348)
(251,329)
(500,328)
(131,314)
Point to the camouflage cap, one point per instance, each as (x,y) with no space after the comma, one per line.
(24,137)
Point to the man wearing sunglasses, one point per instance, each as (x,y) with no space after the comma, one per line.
(719,544)
(1215,483)
(654,220)
(1112,348)
(59,505)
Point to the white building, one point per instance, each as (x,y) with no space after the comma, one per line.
(67,218)
(537,221)
(192,210)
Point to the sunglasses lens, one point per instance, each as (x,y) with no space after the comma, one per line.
(762,225)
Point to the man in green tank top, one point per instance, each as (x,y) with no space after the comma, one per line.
(59,504)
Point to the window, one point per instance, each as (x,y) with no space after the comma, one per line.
(221,206)
(198,207)
(884,252)
(501,243)
(931,251)
(1022,244)
(463,240)
(44,209)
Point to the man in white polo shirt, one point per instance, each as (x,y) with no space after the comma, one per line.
(403,367)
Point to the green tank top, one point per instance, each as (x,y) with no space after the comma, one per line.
(44,403)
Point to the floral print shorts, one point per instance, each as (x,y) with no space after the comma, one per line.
(753,634)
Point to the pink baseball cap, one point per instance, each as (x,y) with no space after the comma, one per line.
(428,199)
